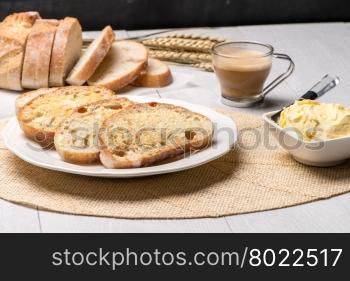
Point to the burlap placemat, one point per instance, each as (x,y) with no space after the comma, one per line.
(254,177)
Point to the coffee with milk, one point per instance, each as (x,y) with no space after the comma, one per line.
(241,73)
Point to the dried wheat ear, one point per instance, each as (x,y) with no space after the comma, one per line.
(194,59)
(188,49)
(182,44)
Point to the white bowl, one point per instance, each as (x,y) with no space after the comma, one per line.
(324,153)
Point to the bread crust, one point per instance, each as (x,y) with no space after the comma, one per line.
(36,64)
(66,50)
(17,26)
(107,67)
(110,160)
(73,157)
(154,80)
(92,58)
(14,30)
(43,136)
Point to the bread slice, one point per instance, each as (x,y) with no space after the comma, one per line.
(91,58)
(36,64)
(14,30)
(122,65)
(143,134)
(40,117)
(76,139)
(156,75)
(66,50)
(27,97)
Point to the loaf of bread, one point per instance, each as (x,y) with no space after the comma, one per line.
(156,75)
(39,115)
(143,134)
(92,58)
(123,64)
(76,139)
(66,50)
(14,30)
(36,63)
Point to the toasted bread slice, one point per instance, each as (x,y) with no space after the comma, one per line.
(66,50)
(123,64)
(36,64)
(156,75)
(76,139)
(27,97)
(147,133)
(92,58)
(40,117)
(14,30)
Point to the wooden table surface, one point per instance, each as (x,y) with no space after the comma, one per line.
(317,49)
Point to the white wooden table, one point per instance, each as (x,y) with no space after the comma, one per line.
(317,49)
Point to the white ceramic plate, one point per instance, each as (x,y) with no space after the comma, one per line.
(225,137)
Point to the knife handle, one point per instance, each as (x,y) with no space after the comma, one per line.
(327,83)
(309,95)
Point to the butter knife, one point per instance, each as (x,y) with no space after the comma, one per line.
(327,83)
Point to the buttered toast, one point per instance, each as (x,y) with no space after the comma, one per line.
(143,134)
(27,97)
(76,139)
(40,117)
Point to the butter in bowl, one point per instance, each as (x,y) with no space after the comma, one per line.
(314,133)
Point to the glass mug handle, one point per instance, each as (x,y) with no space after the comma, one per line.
(273,84)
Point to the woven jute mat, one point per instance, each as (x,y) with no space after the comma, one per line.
(255,176)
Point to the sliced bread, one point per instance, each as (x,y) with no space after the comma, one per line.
(66,50)
(27,97)
(123,64)
(147,133)
(91,58)
(36,64)
(76,139)
(156,75)
(14,30)
(40,117)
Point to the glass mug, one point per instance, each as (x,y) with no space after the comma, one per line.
(242,68)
